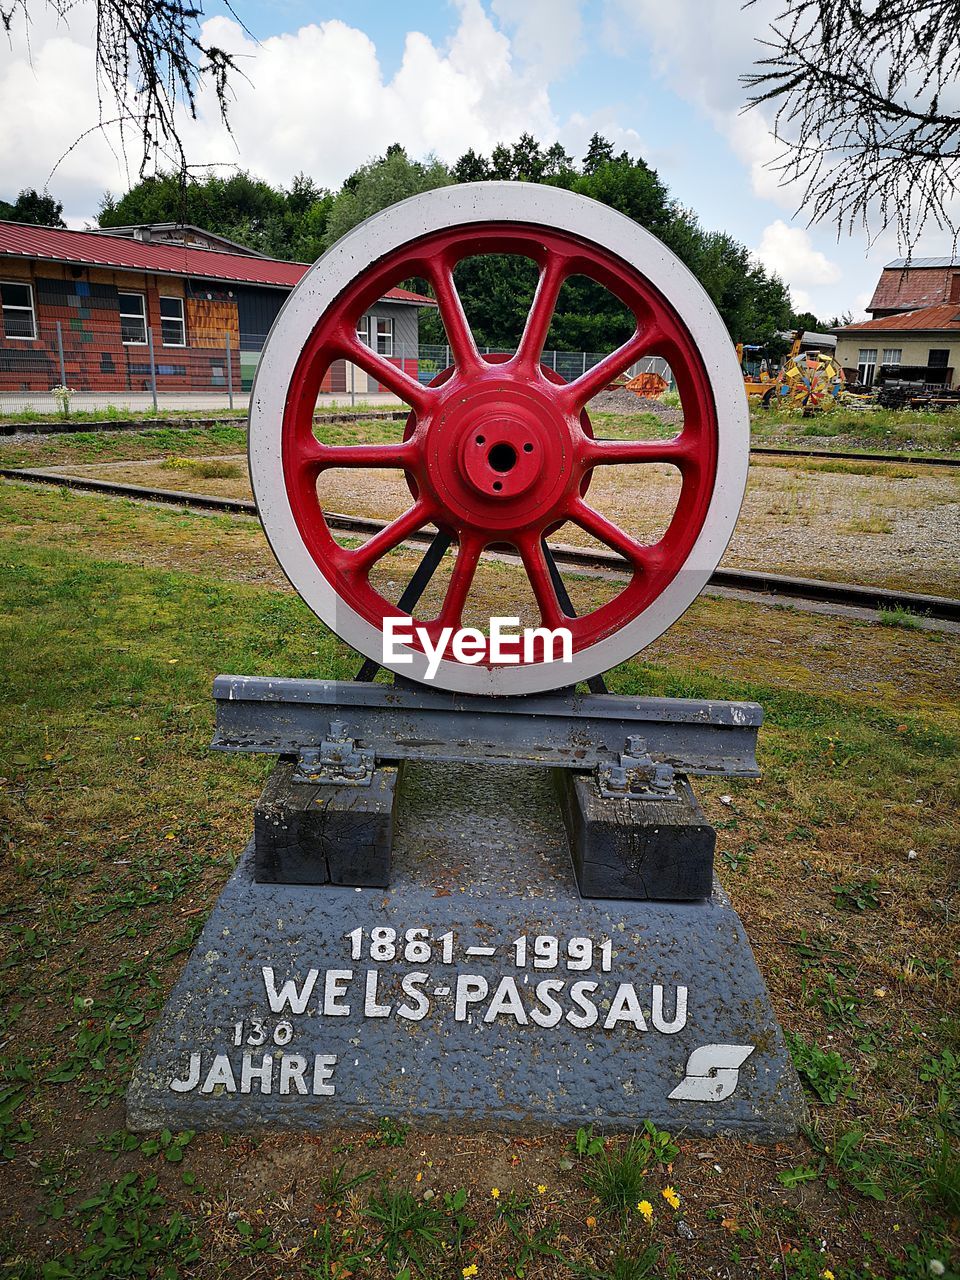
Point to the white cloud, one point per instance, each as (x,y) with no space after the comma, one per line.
(47,100)
(315,101)
(547,33)
(789,252)
(701,51)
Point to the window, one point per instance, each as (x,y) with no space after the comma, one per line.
(173,330)
(19,320)
(954,289)
(363,330)
(892,355)
(384,336)
(939,359)
(867,365)
(133,319)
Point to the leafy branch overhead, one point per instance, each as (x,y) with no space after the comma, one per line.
(866,103)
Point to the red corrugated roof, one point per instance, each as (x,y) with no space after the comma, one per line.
(48,244)
(946,316)
(919,285)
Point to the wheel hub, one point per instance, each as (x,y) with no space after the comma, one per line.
(500,457)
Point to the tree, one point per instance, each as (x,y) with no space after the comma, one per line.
(31,206)
(599,151)
(284,224)
(865,98)
(631,187)
(150,60)
(496,289)
(380,183)
(470,168)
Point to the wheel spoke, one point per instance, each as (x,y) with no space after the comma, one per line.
(392,376)
(390,536)
(541,311)
(455,322)
(320,457)
(611,535)
(598,453)
(596,378)
(461,580)
(531,553)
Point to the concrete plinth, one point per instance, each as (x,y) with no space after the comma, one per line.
(479,990)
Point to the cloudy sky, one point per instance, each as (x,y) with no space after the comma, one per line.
(329,85)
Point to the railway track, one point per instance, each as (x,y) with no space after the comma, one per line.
(849,595)
(64,426)
(914,459)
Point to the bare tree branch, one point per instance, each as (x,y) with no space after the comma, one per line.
(151,63)
(868,111)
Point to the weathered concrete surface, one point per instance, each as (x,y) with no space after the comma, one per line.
(480,854)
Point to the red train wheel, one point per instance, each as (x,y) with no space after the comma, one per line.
(501,451)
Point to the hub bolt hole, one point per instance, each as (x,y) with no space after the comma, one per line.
(481,439)
(497,485)
(502,457)
(528,448)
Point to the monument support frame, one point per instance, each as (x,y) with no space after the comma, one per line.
(560,730)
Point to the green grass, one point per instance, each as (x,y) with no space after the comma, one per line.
(118,826)
(204,468)
(118,413)
(617,1173)
(123,413)
(879,429)
(822,1071)
(900,617)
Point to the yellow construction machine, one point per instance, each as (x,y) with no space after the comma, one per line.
(809,381)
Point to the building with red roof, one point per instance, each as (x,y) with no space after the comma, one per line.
(91,305)
(919,346)
(909,284)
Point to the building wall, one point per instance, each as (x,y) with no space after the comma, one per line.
(84,300)
(406,336)
(915,348)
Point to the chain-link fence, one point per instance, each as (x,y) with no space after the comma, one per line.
(79,365)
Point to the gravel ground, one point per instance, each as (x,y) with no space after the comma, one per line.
(621,401)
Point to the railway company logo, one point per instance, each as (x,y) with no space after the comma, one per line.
(506,642)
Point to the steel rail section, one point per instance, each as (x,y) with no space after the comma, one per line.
(64,426)
(411,722)
(917,460)
(855,595)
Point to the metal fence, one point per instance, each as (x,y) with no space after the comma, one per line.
(73,365)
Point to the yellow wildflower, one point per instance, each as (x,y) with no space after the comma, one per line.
(541,1189)
(591,1222)
(495,1192)
(646,1209)
(470,1271)
(671,1197)
(419,1177)
(828,1274)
